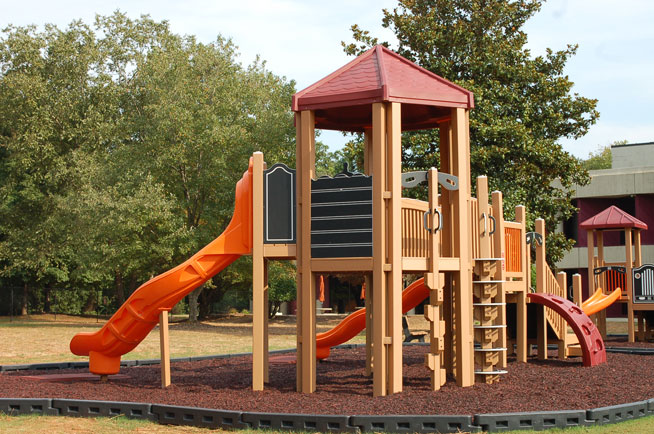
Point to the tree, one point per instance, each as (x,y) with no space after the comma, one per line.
(602,158)
(120,147)
(523,104)
(281,285)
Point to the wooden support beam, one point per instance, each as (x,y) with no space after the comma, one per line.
(447,243)
(165,348)
(378,289)
(499,251)
(306,297)
(561,279)
(463,249)
(629,265)
(394,244)
(541,268)
(259,307)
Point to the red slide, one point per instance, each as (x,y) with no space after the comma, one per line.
(140,313)
(590,339)
(356,321)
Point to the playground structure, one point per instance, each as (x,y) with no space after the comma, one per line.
(633,280)
(473,261)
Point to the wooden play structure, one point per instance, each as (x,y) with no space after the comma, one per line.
(474,263)
(634,279)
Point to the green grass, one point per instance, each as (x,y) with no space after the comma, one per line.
(101,425)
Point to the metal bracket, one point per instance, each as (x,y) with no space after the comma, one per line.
(534,238)
(413,179)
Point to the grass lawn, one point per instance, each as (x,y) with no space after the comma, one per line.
(42,338)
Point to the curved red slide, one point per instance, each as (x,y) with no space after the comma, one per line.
(352,324)
(134,320)
(590,339)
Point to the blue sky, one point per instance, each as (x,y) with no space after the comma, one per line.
(300,39)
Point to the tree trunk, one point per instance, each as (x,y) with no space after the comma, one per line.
(46,299)
(193,304)
(119,286)
(23,307)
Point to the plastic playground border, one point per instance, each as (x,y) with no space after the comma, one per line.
(226,419)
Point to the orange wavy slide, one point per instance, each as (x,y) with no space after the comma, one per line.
(599,301)
(352,324)
(134,320)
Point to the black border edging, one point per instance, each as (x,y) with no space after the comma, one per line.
(227,419)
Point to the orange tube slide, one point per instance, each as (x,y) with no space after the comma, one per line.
(595,304)
(134,320)
(352,324)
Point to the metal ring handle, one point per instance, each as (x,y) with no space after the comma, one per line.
(494,225)
(440,220)
(425,218)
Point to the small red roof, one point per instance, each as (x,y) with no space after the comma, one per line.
(343,100)
(612,218)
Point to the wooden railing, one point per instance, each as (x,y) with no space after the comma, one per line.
(414,235)
(552,287)
(474,227)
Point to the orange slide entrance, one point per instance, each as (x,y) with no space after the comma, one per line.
(356,321)
(600,301)
(134,320)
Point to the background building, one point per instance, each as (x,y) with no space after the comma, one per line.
(629,185)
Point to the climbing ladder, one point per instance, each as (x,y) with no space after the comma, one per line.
(489,306)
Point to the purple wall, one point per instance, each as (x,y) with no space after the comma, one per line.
(645,213)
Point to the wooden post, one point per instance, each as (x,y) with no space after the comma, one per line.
(435,284)
(541,268)
(561,279)
(447,234)
(306,297)
(629,265)
(367,170)
(521,302)
(499,247)
(259,306)
(576,289)
(369,324)
(165,348)
(590,243)
(463,249)
(394,244)
(378,289)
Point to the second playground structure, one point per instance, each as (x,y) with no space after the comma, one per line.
(475,264)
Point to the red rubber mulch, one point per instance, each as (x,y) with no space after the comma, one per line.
(343,389)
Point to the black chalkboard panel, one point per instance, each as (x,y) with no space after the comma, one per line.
(643,284)
(279,208)
(341,216)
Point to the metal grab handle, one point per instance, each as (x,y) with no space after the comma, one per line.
(494,225)
(440,220)
(425,219)
(483,214)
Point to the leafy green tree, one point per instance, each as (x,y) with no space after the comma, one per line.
(52,93)
(120,147)
(281,285)
(602,158)
(523,104)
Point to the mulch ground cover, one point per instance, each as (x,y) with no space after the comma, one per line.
(344,389)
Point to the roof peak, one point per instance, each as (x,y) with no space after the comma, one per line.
(345,96)
(612,218)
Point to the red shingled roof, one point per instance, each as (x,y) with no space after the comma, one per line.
(612,218)
(343,99)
